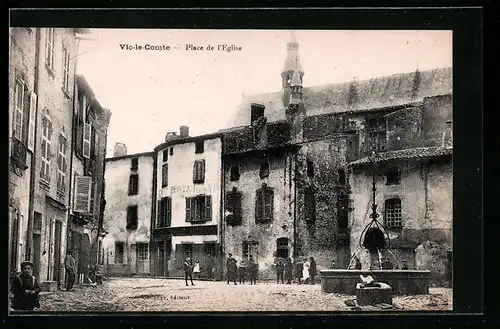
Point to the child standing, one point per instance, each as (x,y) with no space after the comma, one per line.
(242,271)
(196,270)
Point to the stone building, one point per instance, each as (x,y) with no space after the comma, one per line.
(413,176)
(187,208)
(302,139)
(42,70)
(90,124)
(127,213)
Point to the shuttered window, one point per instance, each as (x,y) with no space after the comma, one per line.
(233,208)
(132,218)
(264,205)
(32,119)
(49,48)
(310,205)
(87,135)
(164,212)
(199,171)
(46,149)
(83,187)
(133,184)
(199,208)
(66,69)
(62,164)
(17,126)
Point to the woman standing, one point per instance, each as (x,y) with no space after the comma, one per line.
(305,271)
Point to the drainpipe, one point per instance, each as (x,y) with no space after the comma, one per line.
(153,212)
(222,204)
(294,165)
(31,214)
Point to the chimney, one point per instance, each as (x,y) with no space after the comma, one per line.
(184,131)
(171,135)
(448,136)
(120,150)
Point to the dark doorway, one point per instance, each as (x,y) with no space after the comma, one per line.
(57,251)
(37,243)
(142,252)
(282,248)
(160,259)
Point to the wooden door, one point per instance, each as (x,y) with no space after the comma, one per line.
(142,253)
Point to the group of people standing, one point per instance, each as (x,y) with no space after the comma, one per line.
(302,270)
(234,271)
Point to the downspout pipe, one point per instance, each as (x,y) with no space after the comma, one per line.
(222,206)
(153,210)
(31,214)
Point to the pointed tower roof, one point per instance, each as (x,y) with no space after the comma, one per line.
(292,61)
(296,81)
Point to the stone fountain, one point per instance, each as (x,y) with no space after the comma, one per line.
(374,243)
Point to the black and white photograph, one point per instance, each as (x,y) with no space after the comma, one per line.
(236,170)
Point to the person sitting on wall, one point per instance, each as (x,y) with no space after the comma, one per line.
(386,264)
(404,266)
(25,289)
(289,271)
(333,265)
(357,264)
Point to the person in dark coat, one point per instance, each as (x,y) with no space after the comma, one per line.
(242,272)
(404,266)
(313,271)
(231,268)
(288,271)
(386,264)
(357,264)
(210,267)
(297,270)
(70,265)
(253,270)
(188,271)
(280,268)
(25,288)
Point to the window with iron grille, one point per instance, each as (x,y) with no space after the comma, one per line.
(66,69)
(393,176)
(310,205)
(235,173)
(199,208)
(62,164)
(199,171)
(250,248)
(46,151)
(49,48)
(233,207)
(134,163)
(264,170)
(393,213)
(164,175)
(264,205)
(199,147)
(132,218)
(133,184)
(164,212)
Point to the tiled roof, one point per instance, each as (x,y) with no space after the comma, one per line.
(388,91)
(413,153)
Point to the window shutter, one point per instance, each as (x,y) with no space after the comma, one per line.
(82,194)
(188,210)
(159,216)
(208,207)
(87,133)
(195,171)
(168,211)
(268,201)
(26,115)
(31,133)
(92,198)
(237,208)
(96,144)
(202,170)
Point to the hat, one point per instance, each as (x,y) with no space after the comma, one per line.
(23,264)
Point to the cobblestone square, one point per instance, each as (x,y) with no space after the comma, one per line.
(171,295)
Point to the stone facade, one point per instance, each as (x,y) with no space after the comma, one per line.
(127,214)
(187,203)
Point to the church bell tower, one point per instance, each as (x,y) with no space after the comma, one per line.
(292,66)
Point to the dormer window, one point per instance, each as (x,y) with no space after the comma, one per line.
(257,112)
(264,170)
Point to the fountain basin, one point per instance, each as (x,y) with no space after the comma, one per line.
(403,282)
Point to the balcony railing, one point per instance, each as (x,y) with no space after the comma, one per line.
(18,153)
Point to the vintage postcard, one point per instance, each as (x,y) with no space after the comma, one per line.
(230,170)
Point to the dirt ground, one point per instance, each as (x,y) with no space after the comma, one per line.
(170,295)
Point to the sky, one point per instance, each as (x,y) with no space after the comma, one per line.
(152,92)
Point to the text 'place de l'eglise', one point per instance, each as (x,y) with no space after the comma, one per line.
(290,176)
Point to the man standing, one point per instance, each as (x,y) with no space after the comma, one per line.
(25,289)
(188,271)
(312,270)
(253,270)
(288,271)
(280,268)
(231,269)
(70,265)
